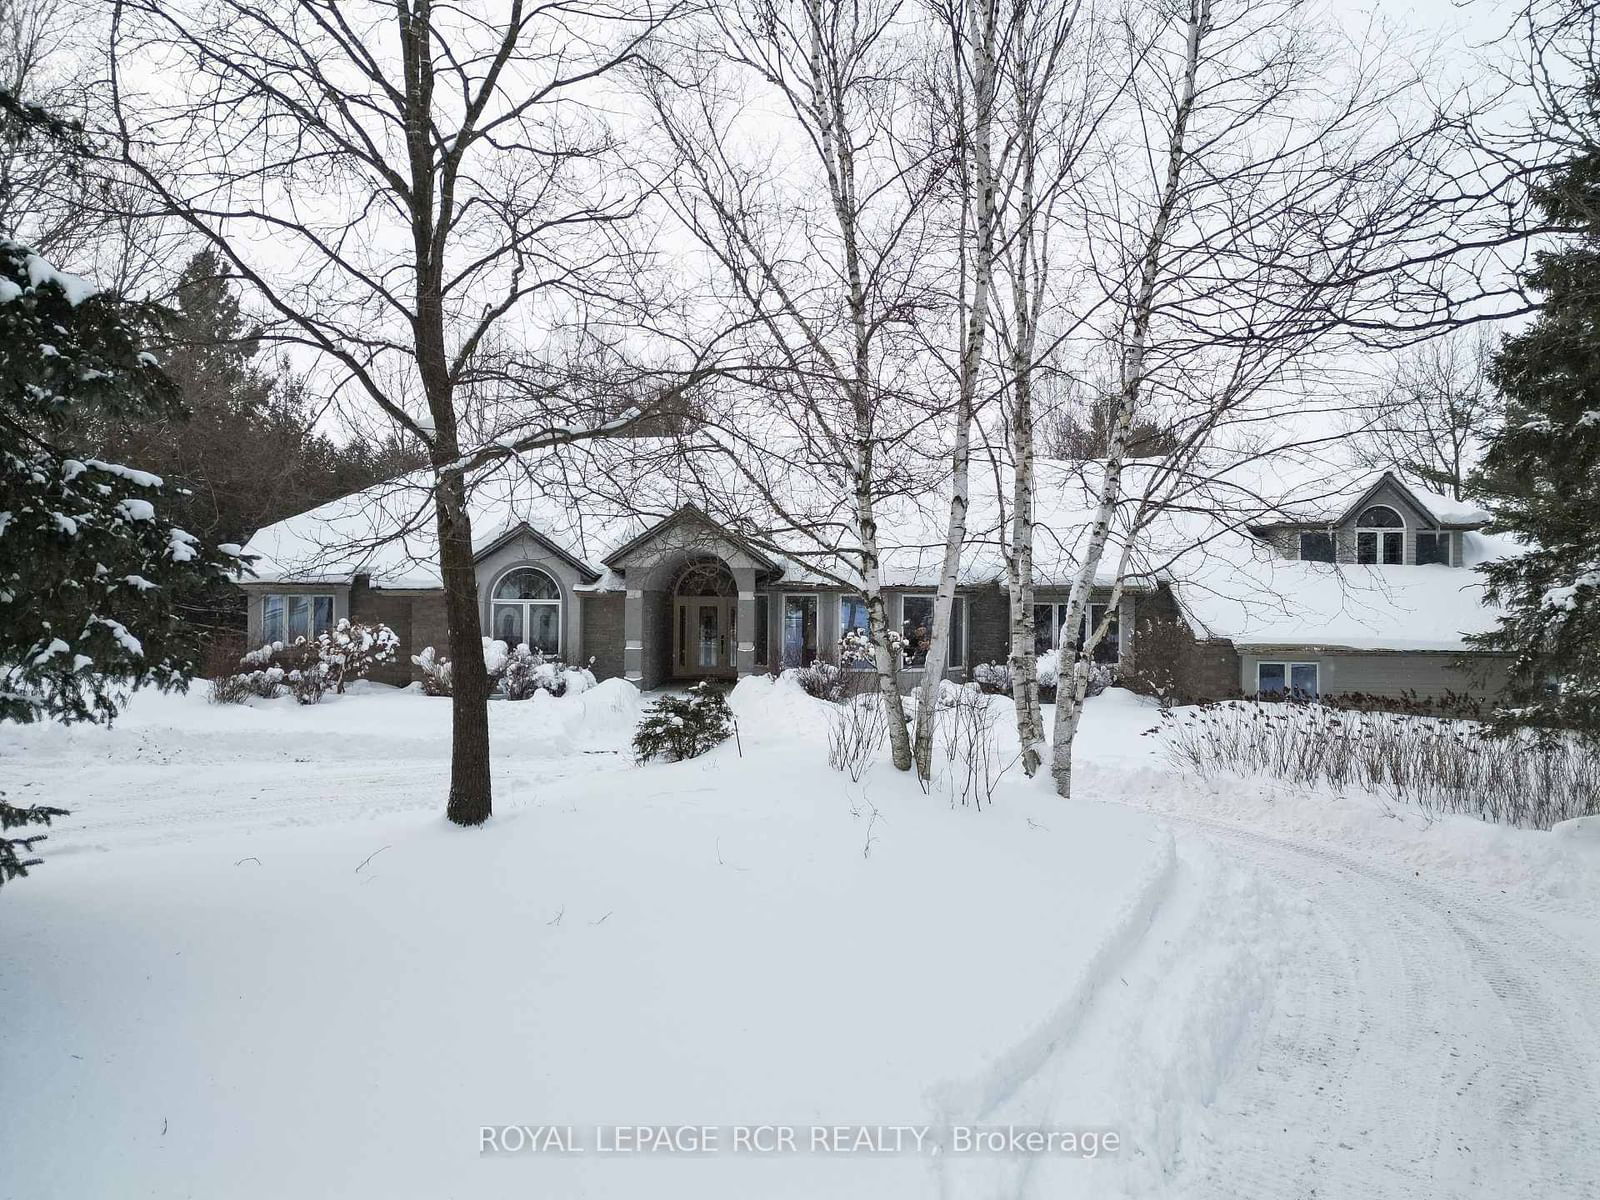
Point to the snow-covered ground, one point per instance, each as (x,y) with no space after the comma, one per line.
(256,962)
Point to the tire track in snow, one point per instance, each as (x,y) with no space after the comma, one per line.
(1424,1041)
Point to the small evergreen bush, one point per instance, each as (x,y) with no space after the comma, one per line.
(680,727)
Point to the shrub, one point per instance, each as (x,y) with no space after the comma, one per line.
(435,672)
(994,679)
(680,727)
(856,732)
(965,730)
(833,684)
(307,668)
(856,646)
(526,671)
(350,650)
(1436,764)
(516,673)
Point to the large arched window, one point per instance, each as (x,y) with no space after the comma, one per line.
(526,608)
(1380,536)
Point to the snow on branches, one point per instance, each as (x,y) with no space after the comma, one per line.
(89,572)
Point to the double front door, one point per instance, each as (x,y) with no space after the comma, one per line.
(704,635)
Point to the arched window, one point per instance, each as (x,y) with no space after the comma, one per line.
(526,608)
(1380,536)
(706,577)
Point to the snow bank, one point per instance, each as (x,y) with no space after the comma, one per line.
(725,941)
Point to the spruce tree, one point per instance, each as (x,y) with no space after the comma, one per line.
(90,568)
(1541,471)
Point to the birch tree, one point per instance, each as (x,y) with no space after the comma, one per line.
(975,31)
(817,259)
(396,182)
(1293,212)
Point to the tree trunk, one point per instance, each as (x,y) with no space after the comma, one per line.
(1069,703)
(838,159)
(973,336)
(470,800)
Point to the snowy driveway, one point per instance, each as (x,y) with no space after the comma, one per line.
(1422,1039)
(255,933)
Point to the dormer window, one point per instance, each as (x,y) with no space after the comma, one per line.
(1316,545)
(1380,536)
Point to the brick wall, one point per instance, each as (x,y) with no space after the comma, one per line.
(1171,660)
(988,626)
(417,618)
(603,633)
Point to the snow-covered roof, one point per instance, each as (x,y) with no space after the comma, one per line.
(1261,601)
(1334,497)
(1228,582)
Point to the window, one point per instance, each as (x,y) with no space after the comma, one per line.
(763,615)
(1380,536)
(287,617)
(855,649)
(1280,679)
(1317,546)
(526,610)
(1433,546)
(916,630)
(799,631)
(1048,620)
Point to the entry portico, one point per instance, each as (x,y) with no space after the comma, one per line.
(690,603)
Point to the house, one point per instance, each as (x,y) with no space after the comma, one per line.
(1362,586)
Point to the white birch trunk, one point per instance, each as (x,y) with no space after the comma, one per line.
(973,336)
(1069,699)
(838,158)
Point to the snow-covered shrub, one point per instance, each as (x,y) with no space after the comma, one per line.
(268,671)
(993,678)
(826,681)
(855,647)
(524,671)
(308,683)
(680,727)
(351,649)
(435,672)
(1439,765)
(1101,676)
(307,668)
(1049,669)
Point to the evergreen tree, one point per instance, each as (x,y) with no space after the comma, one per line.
(243,451)
(1541,472)
(90,569)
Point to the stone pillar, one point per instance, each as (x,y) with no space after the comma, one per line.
(744,659)
(633,636)
(655,641)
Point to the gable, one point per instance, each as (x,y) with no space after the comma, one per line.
(1390,492)
(686,533)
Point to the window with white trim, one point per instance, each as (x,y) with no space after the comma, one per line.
(1380,536)
(1297,679)
(1049,620)
(525,609)
(853,633)
(799,630)
(916,628)
(288,616)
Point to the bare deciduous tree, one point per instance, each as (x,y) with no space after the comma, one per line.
(397,182)
(1431,422)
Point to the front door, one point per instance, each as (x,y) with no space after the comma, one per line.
(704,636)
